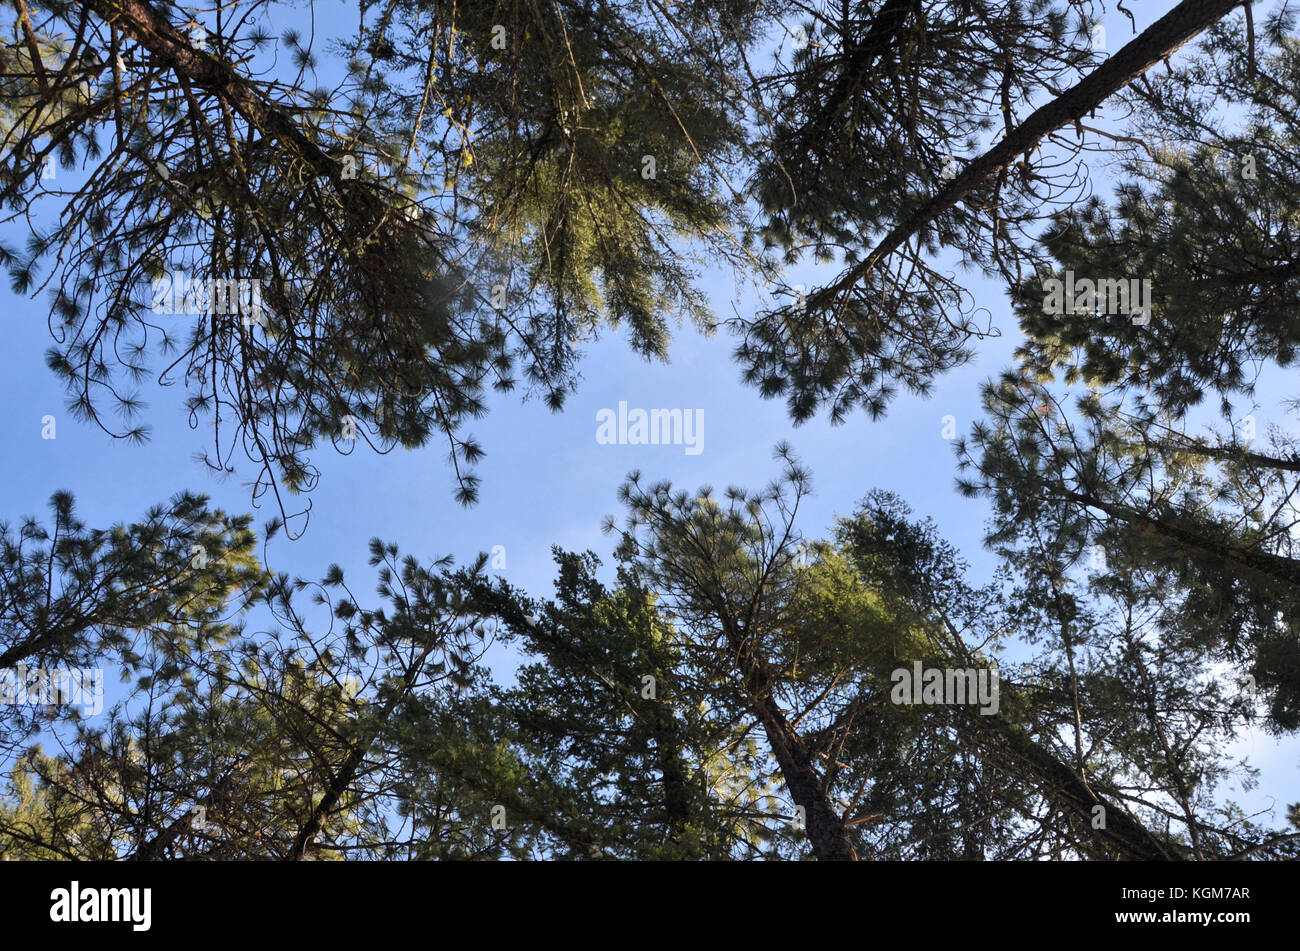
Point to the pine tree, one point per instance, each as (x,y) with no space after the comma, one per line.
(615,724)
(483,189)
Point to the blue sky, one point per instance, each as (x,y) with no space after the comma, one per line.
(545,481)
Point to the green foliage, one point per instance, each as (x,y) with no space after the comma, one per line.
(484,189)
(380,215)
(73,594)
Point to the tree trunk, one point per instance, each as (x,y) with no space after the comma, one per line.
(1010,748)
(1155,43)
(826,829)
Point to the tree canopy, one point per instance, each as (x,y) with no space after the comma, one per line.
(361,234)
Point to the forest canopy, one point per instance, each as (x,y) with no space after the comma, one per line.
(317,239)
